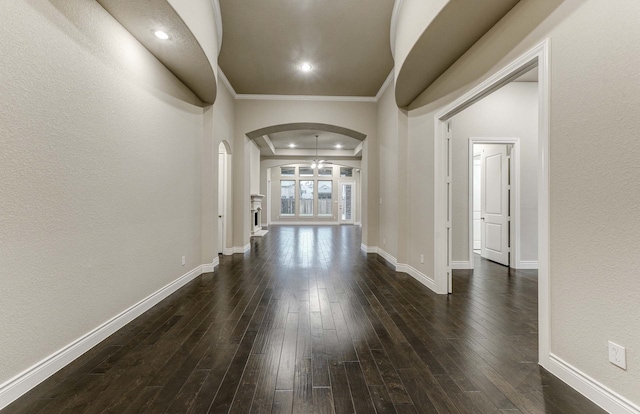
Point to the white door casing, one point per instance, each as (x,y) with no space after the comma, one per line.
(495,204)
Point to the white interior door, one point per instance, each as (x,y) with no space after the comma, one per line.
(495,204)
(347,202)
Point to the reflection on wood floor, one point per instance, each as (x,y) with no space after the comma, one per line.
(306,323)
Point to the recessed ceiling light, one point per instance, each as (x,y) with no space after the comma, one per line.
(161,35)
(338,145)
(306,67)
(292,145)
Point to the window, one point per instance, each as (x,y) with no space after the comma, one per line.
(306,198)
(287,198)
(287,171)
(325,191)
(346,172)
(306,172)
(325,172)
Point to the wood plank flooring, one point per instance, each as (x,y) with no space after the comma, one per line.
(306,323)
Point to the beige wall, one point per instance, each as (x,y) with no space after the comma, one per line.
(511,112)
(595,222)
(254,167)
(387,118)
(101,176)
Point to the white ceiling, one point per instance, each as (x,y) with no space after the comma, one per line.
(346,42)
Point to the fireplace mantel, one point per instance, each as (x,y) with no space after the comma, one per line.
(256,216)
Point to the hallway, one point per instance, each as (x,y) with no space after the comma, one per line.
(305,323)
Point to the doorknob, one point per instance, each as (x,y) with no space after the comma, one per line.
(481,218)
(219,216)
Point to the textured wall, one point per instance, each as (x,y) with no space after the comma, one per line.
(389,184)
(100,175)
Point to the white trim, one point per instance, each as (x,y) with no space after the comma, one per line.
(306,98)
(417,275)
(606,398)
(226,83)
(368,249)
(385,85)
(388,257)
(539,55)
(31,377)
(461,265)
(527,264)
(210,267)
(227,251)
(241,249)
(394,26)
(514,201)
(304,223)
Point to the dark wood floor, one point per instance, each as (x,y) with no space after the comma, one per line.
(306,323)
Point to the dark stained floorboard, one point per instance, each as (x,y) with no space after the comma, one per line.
(305,323)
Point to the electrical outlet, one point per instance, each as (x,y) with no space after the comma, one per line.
(617,355)
(422,258)
(184,260)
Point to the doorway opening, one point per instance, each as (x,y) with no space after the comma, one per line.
(347,202)
(494,201)
(536,62)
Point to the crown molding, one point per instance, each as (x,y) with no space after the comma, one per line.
(226,83)
(385,85)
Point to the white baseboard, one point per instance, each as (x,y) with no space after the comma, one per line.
(523,264)
(417,275)
(31,377)
(461,265)
(590,388)
(210,267)
(227,251)
(241,249)
(368,249)
(386,256)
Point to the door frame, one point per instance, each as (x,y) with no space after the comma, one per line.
(353,201)
(538,57)
(514,201)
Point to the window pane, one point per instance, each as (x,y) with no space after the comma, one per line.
(346,172)
(326,171)
(287,170)
(306,198)
(325,190)
(306,172)
(287,198)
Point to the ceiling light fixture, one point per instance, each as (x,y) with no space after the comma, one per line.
(292,145)
(306,67)
(161,35)
(338,146)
